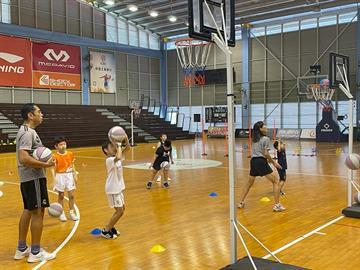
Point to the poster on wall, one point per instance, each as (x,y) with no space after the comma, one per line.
(15,62)
(56,66)
(102,72)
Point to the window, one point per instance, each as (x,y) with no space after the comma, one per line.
(274,117)
(144,40)
(347,17)
(133,35)
(111,31)
(259,31)
(123,36)
(290,115)
(308,24)
(308,115)
(5,11)
(327,20)
(291,26)
(273,29)
(257,113)
(171,45)
(238,35)
(154,42)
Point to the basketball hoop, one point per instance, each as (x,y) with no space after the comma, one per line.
(193,55)
(322,93)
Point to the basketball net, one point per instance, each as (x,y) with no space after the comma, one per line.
(322,93)
(193,55)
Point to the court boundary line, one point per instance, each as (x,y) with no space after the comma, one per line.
(303,237)
(67,239)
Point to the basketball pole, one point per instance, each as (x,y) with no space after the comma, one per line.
(231,143)
(347,92)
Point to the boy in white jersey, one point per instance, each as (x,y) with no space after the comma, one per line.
(114,185)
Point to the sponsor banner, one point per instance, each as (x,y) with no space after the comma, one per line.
(217,131)
(54,80)
(289,134)
(15,62)
(56,58)
(102,72)
(308,133)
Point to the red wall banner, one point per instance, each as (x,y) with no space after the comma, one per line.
(56,58)
(56,66)
(15,62)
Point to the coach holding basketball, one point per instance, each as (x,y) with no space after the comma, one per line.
(32,185)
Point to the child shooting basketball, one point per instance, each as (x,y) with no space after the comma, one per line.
(115,185)
(163,138)
(65,176)
(259,165)
(281,157)
(161,162)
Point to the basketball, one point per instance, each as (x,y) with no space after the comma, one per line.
(357,198)
(353,161)
(116,134)
(55,209)
(165,165)
(42,154)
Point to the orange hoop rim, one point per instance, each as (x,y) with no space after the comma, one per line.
(188,42)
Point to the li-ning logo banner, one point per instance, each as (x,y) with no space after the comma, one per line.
(54,57)
(15,62)
(11,58)
(62,56)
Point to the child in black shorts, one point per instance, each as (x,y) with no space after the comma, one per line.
(161,162)
(281,157)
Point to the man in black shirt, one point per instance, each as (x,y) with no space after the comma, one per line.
(161,162)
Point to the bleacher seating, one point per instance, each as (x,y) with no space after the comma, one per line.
(153,124)
(85,126)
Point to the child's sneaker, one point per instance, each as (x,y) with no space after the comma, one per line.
(166,184)
(278,208)
(282,193)
(158,179)
(107,234)
(73,215)
(63,217)
(41,256)
(114,231)
(148,185)
(21,254)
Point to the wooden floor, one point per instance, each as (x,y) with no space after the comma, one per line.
(190,224)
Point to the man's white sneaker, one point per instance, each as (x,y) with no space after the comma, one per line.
(278,208)
(73,215)
(21,254)
(41,256)
(63,217)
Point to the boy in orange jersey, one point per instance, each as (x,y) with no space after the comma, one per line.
(64,175)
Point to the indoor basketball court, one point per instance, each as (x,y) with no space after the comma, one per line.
(191,134)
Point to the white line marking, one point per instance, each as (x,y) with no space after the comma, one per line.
(321,233)
(67,239)
(304,237)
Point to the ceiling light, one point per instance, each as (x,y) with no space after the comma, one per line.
(109,2)
(132,7)
(172,18)
(153,13)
